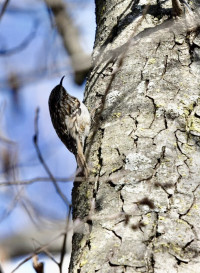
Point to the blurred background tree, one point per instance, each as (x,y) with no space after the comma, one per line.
(40,41)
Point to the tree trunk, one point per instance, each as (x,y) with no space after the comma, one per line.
(143,150)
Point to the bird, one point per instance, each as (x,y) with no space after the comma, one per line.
(71,121)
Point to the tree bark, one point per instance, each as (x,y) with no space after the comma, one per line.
(143,150)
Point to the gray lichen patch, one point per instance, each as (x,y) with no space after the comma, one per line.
(141,166)
(112,97)
(137,162)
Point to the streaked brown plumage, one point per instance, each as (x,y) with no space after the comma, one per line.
(71,121)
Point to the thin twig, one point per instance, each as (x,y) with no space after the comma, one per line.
(47,252)
(50,256)
(5,4)
(77,224)
(6,140)
(39,154)
(63,249)
(43,248)
(37,179)
(37,251)
(23,262)
(27,40)
(28,211)
(11,207)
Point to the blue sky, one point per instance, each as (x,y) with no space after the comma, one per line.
(39,66)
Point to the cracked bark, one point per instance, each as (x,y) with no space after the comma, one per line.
(143,149)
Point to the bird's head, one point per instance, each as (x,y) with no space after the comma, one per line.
(58,92)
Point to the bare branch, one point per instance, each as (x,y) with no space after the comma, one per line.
(36,179)
(81,62)
(23,262)
(11,207)
(50,256)
(35,141)
(6,140)
(23,44)
(37,251)
(29,213)
(5,4)
(63,250)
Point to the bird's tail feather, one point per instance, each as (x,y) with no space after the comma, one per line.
(81,158)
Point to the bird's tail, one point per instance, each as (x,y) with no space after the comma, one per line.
(81,162)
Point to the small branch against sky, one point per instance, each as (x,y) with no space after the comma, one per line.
(4,6)
(12,205)
(39,250)
(63,249)
(41,159)
(36,179)
(24,44)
